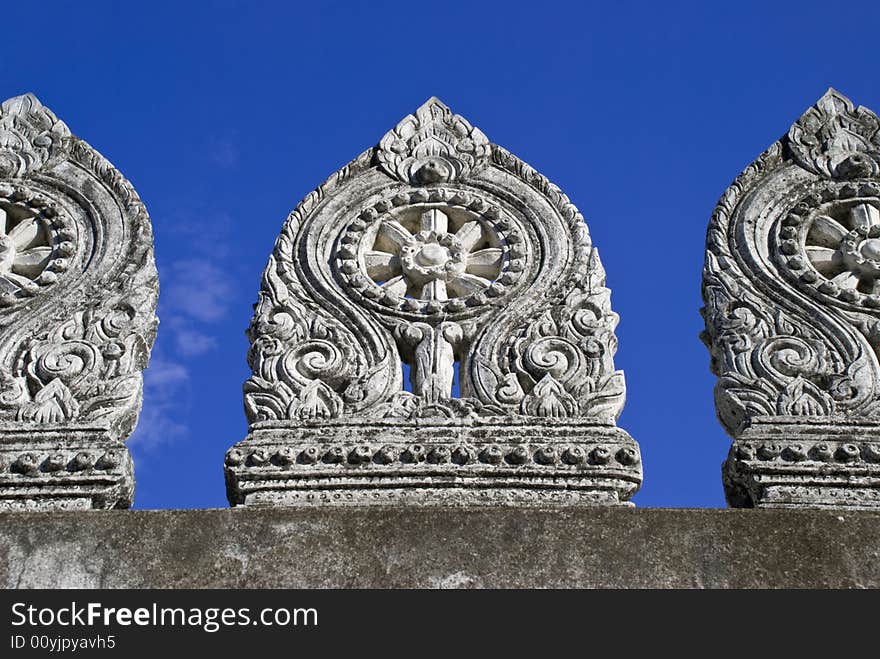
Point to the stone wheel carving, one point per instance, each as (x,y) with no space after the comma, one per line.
(415,255)
(24,250)
(33,234)
(432,255)
(842,244)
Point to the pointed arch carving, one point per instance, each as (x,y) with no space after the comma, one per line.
(78,291)
(442,252)
(791,310)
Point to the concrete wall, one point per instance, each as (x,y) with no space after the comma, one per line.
(440,547)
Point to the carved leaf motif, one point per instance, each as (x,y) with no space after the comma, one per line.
(836,140)
(30,134)
(266,401)
(432,146)
(607,401)
(118,392)
(52,404)
(316,401)
(549,399)
(802,398)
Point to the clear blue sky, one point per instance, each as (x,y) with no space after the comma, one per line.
(224,115)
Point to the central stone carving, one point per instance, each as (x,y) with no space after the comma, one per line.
(446,254)
(836,247)
(34,238)
(421,257)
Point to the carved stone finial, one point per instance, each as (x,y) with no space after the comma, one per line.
(78,294)
(433,146)
(792,293)
(443,254)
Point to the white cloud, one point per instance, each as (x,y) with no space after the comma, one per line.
(165,387)
(197,288)
(192,343)
(196,294)
(223,151)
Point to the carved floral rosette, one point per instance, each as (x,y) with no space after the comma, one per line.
(440,254)
(78,292)
(791,287)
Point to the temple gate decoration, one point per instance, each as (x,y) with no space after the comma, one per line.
(791,286)
(442,257)
(78,293)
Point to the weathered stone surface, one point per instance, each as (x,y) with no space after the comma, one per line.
(439,547)
(78,294)
(445,253)
(792,292)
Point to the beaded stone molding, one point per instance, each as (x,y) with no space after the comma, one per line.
(440,255)
(78,293)
(791,287)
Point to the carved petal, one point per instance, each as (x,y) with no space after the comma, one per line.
(824,259)
(827,232)
(3,219)
(865,215)
(381,266)
(435,220)
(31,262)
(469,234)
(7,285)
(466,284)
(391,236)
(25,233)
(15,279)
(435,290)
(846,280)
(396,286)
(485,262)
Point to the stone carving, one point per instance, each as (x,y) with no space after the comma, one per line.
(78,293)
(791,286)
(441,254)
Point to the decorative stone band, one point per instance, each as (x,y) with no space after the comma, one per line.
(64,468)
(782,461)
(434,463)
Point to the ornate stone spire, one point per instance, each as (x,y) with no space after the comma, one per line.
(441,255)
(77,299)
(792,292)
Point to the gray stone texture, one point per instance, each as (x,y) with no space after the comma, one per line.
(443,252)
(441,547)
(78,291)
(791,287)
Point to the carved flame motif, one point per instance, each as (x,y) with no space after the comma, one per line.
(834,139)
(433,146)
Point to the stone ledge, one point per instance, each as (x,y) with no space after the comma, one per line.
(440,547)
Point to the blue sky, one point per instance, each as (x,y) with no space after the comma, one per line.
(224,115)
